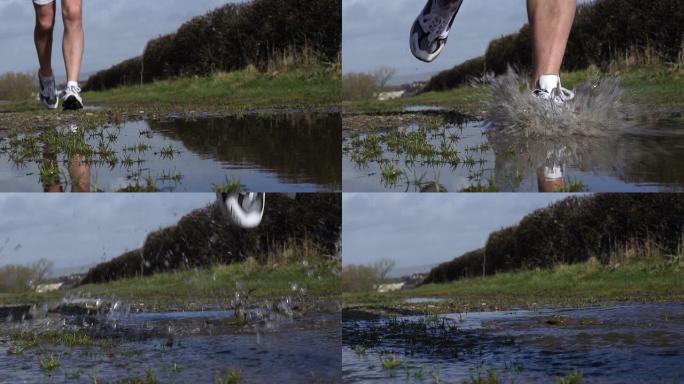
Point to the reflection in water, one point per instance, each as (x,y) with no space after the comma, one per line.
(472,155)
(302,148)
(176,347)
(634,343)
(294,152)
(78,168)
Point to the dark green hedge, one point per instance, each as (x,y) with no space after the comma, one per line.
(467,265)
(574,230)
(230,38)
(204,238)
(603,30)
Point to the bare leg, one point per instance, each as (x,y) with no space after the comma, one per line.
(79,171)
(551,22)
(42,35)
(551,185)
(446,3)
(73,44)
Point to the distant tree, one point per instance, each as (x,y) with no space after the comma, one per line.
(16,86)
(383,75)
(358,86)
(41,270)
(20,278)
(15,279)
(359,278)
(383,267)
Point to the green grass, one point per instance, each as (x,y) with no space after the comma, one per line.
(230,185)
(578,284)
(221,281)
(231,377)
(647,86)
(29,298)
(574,377)
(390,363)
(312,87)
(469,100)
(240,90)
(49,364)
(204,286)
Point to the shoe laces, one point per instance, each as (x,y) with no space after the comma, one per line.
(73,89)
(436,25)
(560,94)
(48,90)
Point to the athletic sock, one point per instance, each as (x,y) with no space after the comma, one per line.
(549,82)
(45,81)
(72,84)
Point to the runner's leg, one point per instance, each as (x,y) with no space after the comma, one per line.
(551,22)
(42,35)
(73,44)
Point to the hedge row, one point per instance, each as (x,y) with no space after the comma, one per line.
(232,37)
(204,238)
(603,30)
(574,230)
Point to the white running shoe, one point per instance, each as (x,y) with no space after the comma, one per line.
(242,209)
(550,89)
(430,31)
(48,91)
(72,97)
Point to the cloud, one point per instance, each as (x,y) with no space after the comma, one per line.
(80,230)
(115,30)
(376,33)
(422,229)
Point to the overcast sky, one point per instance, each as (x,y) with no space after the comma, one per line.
(376,33)
(75,230)
(115,30)
(418,230)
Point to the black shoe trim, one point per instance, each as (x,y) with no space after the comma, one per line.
(71,104)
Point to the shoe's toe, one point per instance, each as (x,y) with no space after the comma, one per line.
(423,50)
(71,103)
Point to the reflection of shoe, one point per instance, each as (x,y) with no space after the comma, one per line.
(48,91)
(72,97)
(242,209)
(430,31)
(554,168)
(553,173)
(550,88)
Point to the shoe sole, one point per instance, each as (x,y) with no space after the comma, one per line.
(50,106)
(72,104)
(416,24)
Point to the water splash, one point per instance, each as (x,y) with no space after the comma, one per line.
(595,111)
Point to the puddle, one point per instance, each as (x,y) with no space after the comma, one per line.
(423,108)
(176,347)
(295,152)
(469,155)
(636,343)
(423,300)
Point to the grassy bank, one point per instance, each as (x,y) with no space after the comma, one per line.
(194,288)
(647,87)
(240,90)
(310,88)
(565,285)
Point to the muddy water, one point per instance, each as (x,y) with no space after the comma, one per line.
(294,152)
(632,343)
(645,156)
(180,347)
